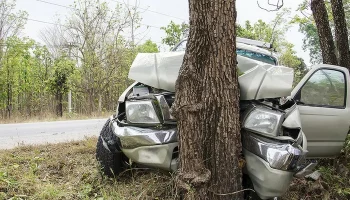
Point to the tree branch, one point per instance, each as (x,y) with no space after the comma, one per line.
(278,6)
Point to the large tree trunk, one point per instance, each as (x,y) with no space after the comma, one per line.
(207,105)
(324,32)
(341,33)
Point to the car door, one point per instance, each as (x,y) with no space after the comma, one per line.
(324,109)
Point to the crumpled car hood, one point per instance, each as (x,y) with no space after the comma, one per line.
(259,80)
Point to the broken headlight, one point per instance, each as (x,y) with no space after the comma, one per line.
(282,156)
(141,112)
(264,120)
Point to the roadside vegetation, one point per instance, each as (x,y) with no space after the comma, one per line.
(47,117)
(334,182)
(70,171)
(35,78)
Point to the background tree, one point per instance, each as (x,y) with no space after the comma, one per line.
(94,28)
(174,33)
(207,105)
(94,35)
(147,47)
(274,32)
(307,26)
(341,33)
(11,23)
(58,83)
(324,32)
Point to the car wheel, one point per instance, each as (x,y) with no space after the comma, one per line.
(110,162)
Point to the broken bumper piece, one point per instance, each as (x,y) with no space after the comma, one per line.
(133,137)
(158,156)
(149,147)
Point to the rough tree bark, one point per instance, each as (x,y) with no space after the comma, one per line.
(319,13)
(207,105)
(341,33)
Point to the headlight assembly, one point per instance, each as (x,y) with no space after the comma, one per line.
(142,112)
(264,120)
(279,155)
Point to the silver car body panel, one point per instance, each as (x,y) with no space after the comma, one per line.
(155,148)
(125,93)
(267,182)
(132,136)
(160,70)
(293,120)
(325,128)
(157,156)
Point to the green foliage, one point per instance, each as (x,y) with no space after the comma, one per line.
(308,28)
(268,32)
(261,31)
(311,40)
(63,68)
(21,74)
(34,80)
(147,47)
(289,58)
(174,33)
(274,33)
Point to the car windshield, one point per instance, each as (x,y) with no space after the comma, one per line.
(256,56)
(242,52)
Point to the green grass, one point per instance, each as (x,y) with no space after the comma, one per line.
(70,171)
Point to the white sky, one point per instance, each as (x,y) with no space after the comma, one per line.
(246,10)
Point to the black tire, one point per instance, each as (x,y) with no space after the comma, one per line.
(110,162)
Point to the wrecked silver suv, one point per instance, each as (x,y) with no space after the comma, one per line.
(274,144)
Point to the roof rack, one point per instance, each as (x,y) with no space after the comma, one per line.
(254,42)
(257,43)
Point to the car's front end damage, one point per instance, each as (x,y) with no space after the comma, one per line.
(274,145)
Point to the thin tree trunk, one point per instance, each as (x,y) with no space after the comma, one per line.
(59,106)
(99,103)
(324,32)
(207,105)
(341,33)
(9,93)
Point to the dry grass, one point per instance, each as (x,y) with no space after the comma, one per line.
(53,117)
(70,171)
(334,182)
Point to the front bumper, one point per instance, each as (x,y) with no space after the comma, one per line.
(158,148)
(157,156)
(133,137)
(267,182)
(149,147)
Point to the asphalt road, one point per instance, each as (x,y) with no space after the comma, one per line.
(12,135)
